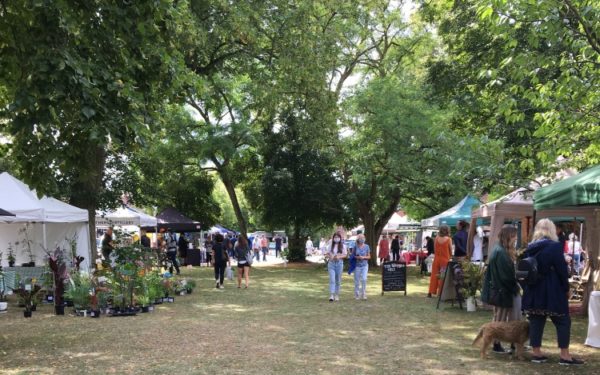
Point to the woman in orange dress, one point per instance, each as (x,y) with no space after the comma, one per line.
(384,249)
(443,252)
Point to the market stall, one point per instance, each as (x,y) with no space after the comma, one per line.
(39,224)
(577,196)
(515,206)
(461,211)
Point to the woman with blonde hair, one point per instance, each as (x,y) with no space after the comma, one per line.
(442,247)
(500,285)
(548,296)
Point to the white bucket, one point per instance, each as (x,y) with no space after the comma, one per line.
(471,307)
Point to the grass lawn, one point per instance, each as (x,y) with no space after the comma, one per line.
(283,324)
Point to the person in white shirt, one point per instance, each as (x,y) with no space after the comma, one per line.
(309,246)
(574,248)
(335,254)
(477,255)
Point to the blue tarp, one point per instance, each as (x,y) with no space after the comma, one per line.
(461,211)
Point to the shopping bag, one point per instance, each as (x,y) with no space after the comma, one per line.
(229,273)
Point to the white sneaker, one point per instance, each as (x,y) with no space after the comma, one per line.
(364,297)
(337,298)
(356,297)
(331,298)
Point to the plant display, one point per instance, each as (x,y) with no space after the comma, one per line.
(79,289)
(190,285)
(11,256)
(58,266)
(28,294)
(473,279)
(27,244)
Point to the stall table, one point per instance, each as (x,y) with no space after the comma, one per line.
(10,275)
(416,256)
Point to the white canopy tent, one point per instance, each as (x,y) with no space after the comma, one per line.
(399,222)
(47,222)
(124,216)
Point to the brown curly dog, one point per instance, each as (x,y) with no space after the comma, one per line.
(516,332)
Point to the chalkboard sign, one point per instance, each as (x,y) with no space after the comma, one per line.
(393,277)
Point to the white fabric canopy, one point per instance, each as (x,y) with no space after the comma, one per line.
(125,216)
(47,222)
(17,198)
(56,211)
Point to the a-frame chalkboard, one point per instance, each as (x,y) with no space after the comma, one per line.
(393,277)
(450,291)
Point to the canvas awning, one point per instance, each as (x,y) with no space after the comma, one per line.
(47,222)
(580,190)
(125,216)
(461,211)
(6,213)
(170,218)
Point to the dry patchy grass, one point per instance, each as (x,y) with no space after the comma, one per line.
(283,324)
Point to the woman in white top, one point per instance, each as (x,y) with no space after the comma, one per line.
(574,248)
(477,255)
(335,253)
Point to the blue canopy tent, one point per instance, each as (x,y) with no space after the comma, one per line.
(461,211)
(221,229)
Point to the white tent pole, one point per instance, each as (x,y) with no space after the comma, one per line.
(44,236)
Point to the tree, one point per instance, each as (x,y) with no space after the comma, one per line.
(161,172)
(522,74)
(403,153)
(79,81)
(299,185)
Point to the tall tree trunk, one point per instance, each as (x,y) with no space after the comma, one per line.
(297,251)
(230,187)
(374,224)
(86,190)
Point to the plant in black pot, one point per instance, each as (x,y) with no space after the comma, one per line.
(79,288)
(11,256)
(27,244)
(190,285)
(3,303)
(27,295)
(58,266)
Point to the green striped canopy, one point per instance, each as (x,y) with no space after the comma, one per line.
(582,189)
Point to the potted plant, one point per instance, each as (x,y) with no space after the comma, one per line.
(78,290)
(168,289)
(190,285)
(58,266)
(27,295)
(3,303)
(26,242)
(472,283)
(144,301)
(11,256)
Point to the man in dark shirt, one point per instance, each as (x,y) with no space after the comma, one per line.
(107,246)
(396,248)
(145,240)
(171,240)
(460,240)
(278,242)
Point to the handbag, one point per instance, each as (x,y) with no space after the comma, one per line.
(494,298)
(249,257)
